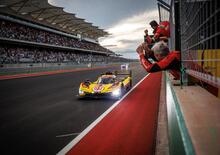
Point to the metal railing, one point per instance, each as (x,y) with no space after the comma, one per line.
(197,37)
(200,36)
(12,69)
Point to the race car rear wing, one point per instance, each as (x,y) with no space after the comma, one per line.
(123,72)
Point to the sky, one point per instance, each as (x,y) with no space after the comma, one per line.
(125,20)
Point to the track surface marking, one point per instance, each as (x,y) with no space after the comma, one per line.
(129,128)
(34,110)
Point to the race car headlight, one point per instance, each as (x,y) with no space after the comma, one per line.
(81,92)
(116,93)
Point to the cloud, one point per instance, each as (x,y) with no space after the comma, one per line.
(126,41)
(129,32)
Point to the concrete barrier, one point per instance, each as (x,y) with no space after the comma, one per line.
(10,69)
(179,140)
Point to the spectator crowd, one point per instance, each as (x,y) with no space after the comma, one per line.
(15,55)
(21,32)
(29,55)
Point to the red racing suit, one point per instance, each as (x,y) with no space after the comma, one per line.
(162,30)
(171,62)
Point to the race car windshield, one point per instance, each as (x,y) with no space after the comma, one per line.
(106,80)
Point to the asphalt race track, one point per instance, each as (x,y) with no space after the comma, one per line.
(40,115)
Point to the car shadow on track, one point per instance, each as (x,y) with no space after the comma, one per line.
(88,99)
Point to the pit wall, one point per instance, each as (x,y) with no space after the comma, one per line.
(179,140)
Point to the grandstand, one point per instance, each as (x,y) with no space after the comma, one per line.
(34,31)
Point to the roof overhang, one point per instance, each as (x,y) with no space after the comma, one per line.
(42,12)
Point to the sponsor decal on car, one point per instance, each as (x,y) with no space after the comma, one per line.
(98,88)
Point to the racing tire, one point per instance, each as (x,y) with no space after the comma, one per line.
(123,90)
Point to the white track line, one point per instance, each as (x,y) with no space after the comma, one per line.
(67,135)
(69,146)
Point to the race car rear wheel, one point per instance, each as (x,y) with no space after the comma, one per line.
(129,86)
(123,90)
(130,83)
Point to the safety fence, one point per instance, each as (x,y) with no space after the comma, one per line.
(195,31)
(200,37)
(11,69)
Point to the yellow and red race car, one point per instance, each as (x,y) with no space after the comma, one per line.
(112,85)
